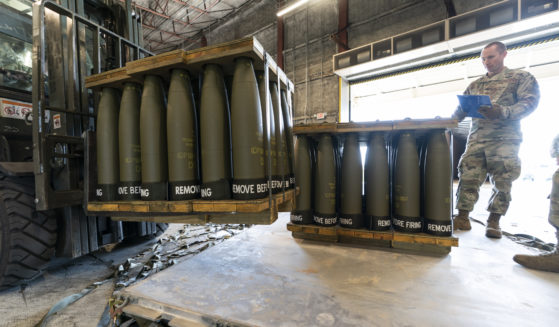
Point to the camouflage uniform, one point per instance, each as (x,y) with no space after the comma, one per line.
(554,201)
(493,145)
(554,197)
(547,261)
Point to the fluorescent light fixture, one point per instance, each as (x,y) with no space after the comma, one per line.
(291,7)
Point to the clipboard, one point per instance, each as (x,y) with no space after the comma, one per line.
(471,103)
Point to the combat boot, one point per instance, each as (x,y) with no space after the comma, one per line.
(492,229)
(545,262)
(462,220)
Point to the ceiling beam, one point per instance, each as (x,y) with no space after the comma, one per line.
(186,4)
(167,32)
(163,5)
(153,12)
(193,21)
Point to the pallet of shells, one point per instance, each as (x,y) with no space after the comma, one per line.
(183,137)
(375,182)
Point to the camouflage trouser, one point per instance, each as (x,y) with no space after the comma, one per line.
(554,201)
(499,160)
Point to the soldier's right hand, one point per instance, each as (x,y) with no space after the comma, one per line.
(490,112)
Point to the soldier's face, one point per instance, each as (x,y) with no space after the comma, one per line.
(493,60)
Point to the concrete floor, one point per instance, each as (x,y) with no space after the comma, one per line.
(528,209)
(476,284)
(25,307)
(264,277)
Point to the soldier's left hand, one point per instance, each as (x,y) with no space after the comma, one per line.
(494,112)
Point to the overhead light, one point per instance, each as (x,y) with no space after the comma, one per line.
(291,7)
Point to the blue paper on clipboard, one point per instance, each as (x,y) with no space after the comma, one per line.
(471,103)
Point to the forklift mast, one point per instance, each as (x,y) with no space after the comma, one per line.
(67,47)
(47,49)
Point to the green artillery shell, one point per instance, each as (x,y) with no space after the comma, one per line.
(281,146)
(153,140)
(107,145)
(406,186)
(129,143)
(302,214)
(182,141)
(438,189)
(351,184)
(275,182)
(249,180)
(421,150)
(377,184)
(325,184)
(288,125)
(215,136)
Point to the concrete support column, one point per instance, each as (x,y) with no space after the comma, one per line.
(341,37)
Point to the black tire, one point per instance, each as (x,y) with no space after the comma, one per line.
(27,237)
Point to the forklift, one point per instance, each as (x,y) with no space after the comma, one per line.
(47,116)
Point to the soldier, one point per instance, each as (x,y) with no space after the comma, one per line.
(493,141)
(547,261)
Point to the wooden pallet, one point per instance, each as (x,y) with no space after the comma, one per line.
(260,211)
(223,54)
(160,64)
(419,242)
(380,126)
(113,78)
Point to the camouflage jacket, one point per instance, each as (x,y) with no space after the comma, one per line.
(516,91)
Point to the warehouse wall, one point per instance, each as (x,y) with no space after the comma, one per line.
(308,47)
(308,53)
(256,18)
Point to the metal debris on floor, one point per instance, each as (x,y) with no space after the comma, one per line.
(524,239)
(530,241)
(172,247)
(69,300)
(169,249)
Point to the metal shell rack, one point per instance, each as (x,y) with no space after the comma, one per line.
(417,242)
(260,211)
